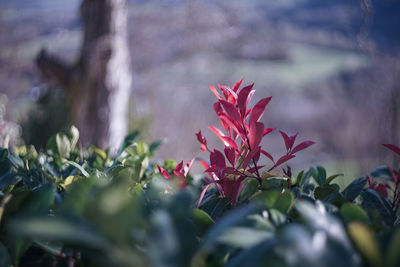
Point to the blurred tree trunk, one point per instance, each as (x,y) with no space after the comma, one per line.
(98,84)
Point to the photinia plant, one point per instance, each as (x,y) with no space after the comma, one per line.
(241,134)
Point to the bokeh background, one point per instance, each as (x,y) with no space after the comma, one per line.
(332,68)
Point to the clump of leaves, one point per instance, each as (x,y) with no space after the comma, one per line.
(241,134)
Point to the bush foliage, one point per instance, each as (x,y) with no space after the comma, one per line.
(68,206)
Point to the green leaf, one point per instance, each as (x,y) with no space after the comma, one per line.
(284,202)
(58,229)
(243,237)
(392,253)
(321,192)
(353,190)
(5,259)
(366,243)
(216,207)
(129,140)
(250,187)
(375,201)
(5,166)
(202,219)
(333,177)
(274,183)
(352,212)
(233,218)
(254,256)
(382,171)
(79,167)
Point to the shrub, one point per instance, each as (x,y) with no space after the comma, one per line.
(84,207)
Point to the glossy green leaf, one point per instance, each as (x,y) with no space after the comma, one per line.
(352,212)
(375,201)
(250,187)
(353,190)
(333,177)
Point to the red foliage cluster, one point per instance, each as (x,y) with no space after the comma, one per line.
(242,133)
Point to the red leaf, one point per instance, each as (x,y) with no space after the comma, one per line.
(394,148)
(178,169)
(224,90)
(203,192)
(232,124)
(282,160)
(242,98)
(212,88)
(267,155)
(249,157)
(302,146)
(187,166)
(258,110)
(163,172)
(255,134)
(236,87)
(219,112)
(292,139)
(267,131)
(231,110)
(202,141)
(227,141)
(286,138)
(217,159)
(230,155)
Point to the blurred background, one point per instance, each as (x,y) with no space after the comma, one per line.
(332,68)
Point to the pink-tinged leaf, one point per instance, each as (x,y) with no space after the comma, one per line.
(212,88)
(217,159)
(258,110)
(187,166)
(247,113)
(237,193)
(232,96)
(242,98)
(267,155)
(267,131)
(302,146)
(202,141)
(292,139)
(231,110)
(394,148)
(224,90)
(178,169)
(232,124)
(382,189)
(230,155)
(203,192)
(236,87)
(255,134)
(286,139)
(227,141)
(163,172)
(249,157)
(219,111)
(282,160)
